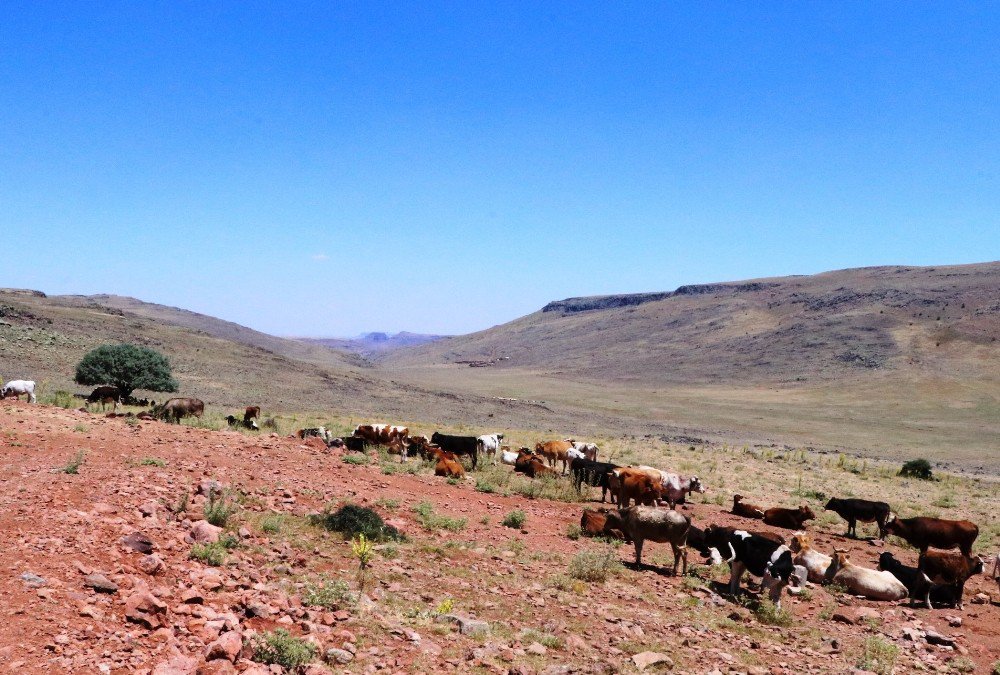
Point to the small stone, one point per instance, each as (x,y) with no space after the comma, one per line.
(207,488)
(228,647)
(954,621)
(980,599)
(935,638)
(537,649)
(144,608)
(178,665)
(644,660)
(342,656)
(203,532)
(100,583)
(466,625)
(32,580)
(151,564)
(192,596)
(138,542)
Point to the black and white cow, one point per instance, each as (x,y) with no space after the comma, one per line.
(752,553)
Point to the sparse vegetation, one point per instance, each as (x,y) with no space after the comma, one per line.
(434,521)
(917,468)
(878,655)
(218,509)
(330,594)
(769,613)
(574,531)
(594,565)
(272,523)
(210,553)
(81,428)
(281,648)
(352,520)
(357,459)
(152,461)
(363,552)
(515,519)
(73,466)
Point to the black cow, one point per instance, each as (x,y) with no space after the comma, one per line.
(853,510)
(762,557)
(594,474)
(458,445)
(916,582)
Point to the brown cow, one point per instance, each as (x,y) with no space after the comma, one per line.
(177,408)
(639,486)
(555,451)
(790,519)
(252,412)
(923,533)
(949,569)
(741,508)
(596,523)
(447,464)
(532,465)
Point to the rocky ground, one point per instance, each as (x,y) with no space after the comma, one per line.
(97,573)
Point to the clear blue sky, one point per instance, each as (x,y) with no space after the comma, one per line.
(329,168)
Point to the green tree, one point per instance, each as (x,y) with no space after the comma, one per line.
(128,367)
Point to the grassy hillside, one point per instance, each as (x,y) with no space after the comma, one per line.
(887,361)
(934,321)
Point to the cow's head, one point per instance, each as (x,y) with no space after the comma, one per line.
(696,485)
(806,513)
(885,560)
(737,499)
(800,540)
(979,565)
(832,504)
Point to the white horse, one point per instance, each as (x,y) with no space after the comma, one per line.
(16,388)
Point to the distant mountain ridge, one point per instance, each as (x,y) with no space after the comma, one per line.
(781,329)
(374,344)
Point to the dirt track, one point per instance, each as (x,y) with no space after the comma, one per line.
(60,526)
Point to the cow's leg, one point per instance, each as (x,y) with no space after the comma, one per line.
(851,528)
(638,552)
(961,593)
(734,579)
(680,552)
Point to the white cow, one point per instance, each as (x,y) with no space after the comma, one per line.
(509,457)
(587,450)
(16,388)
(872,584)
(489,444)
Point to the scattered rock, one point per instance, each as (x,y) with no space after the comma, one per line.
(144,608)
(466,625)
(32,580)
(954,621)
(228,647)
(203,532)
(177,665)
(100,583)
(138,542)
(537,649)
(151,564)
(342,656)
(644,660)
(935,638)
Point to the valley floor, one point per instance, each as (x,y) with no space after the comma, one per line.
(58,527)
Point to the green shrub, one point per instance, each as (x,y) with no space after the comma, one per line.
(917,468)
(218,510)
(574,531)
(74,464)
(485,486)
(152,461)
(357,459)
(878,655)
(996,668)
(329,594)
(594,565)
(515,519)
(281,648)
(272,523)
(213,553)
(352,520)
(434,521)
(61,399)
(769,613)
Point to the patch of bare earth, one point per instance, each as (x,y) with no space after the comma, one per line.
(169,613)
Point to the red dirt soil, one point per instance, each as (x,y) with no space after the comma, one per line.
(61,526)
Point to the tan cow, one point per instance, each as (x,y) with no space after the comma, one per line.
(555,451)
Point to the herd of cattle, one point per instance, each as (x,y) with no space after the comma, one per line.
(939,576)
